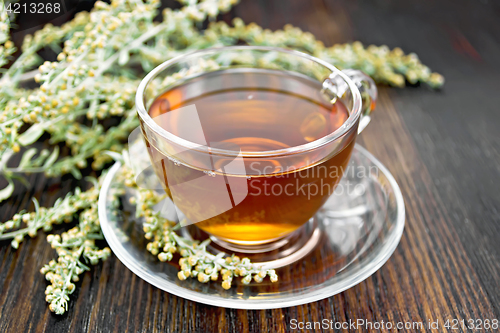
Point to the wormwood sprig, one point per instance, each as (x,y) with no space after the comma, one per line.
(92,143)
(73,247)
(48,36)
(63,210)
(384,65)
(7,47)
(76,248)
(195,260)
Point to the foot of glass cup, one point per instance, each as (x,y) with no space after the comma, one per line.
(275,254)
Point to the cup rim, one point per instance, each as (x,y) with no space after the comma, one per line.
(339,132)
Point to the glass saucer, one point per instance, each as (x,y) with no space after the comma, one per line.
(354,234)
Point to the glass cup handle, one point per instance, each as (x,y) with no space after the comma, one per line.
(368,91)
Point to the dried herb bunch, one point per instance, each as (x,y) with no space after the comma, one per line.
(74,247)
(95,77)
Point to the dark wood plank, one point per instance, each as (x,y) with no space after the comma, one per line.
(442,147)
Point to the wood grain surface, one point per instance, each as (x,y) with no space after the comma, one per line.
(443,148)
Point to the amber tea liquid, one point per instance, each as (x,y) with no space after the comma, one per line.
(255,110)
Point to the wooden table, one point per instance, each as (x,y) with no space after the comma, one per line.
(443,148)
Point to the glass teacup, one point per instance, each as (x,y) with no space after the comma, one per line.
(248,141)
